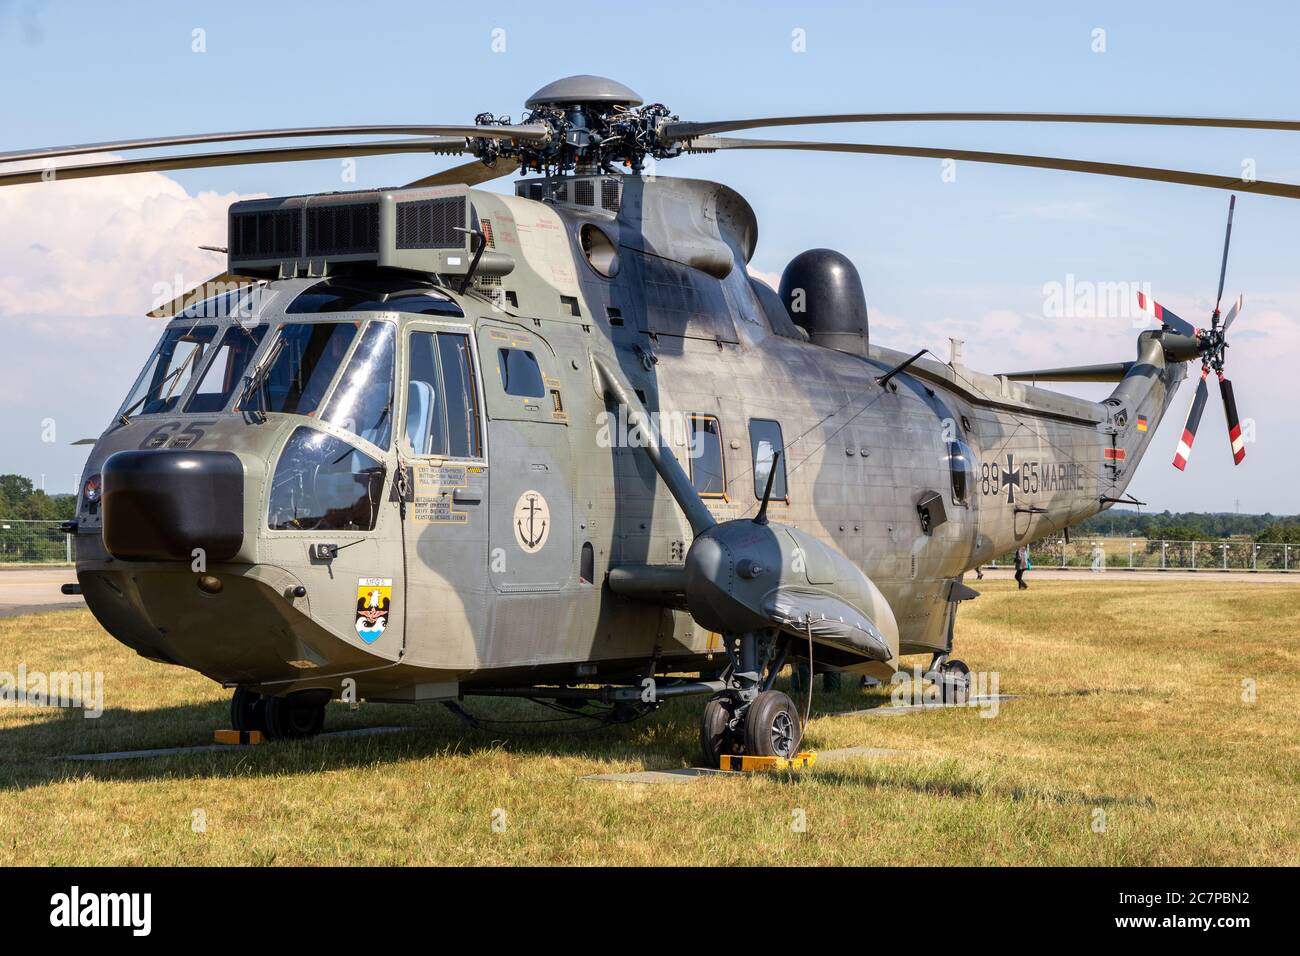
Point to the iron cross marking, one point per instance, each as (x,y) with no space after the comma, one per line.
(1011,477)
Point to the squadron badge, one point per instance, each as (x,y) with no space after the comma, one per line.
(532,521)
(374,602)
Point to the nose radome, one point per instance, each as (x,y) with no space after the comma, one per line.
(161,505)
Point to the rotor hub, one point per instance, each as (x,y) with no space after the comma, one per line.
(596,124)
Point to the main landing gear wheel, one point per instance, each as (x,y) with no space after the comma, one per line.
(247,711)
(772,726)
(954,682)
(295,716)
(716,736)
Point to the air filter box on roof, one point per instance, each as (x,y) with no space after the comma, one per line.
(417,230)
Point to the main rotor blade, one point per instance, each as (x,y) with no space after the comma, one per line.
(1234,423)
(683,130)
(534,132)
(1223,267)
(1155,174)
(470,174)
(283,154)
(1184,450)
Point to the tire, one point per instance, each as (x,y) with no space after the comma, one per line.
(247,711)
(293,718)
(955,685)
(716,737)
(772,726)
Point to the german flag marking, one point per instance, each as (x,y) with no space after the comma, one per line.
(1142,423)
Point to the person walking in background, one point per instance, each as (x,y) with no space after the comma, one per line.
(1022,565)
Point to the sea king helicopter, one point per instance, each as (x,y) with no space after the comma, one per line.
(431,442)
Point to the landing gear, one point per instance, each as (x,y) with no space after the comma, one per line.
(772,726)
(296,716)
(718,734)
(953,678)
(247,711)
(750,717)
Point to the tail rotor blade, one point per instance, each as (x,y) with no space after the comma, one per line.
(1184,450)
(1164,316)
(1234,423)
(1233,312)
(1227,238)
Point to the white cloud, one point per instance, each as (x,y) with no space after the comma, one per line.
(772,279)
(87,248)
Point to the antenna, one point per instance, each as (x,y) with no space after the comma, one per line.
(761,517)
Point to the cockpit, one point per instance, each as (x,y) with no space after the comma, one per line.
(329,355)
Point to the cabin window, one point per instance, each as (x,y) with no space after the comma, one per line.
(168,372)
(363,401)
(322,483)
(765,441)
(225,371)
(520,373)
(441,398)
(708,471)
(961,467)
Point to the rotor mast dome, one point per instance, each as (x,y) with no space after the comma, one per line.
(584,88)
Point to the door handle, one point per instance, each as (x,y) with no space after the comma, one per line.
(466,496)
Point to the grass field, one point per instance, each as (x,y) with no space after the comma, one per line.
(1129,702)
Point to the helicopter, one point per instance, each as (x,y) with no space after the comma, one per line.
(432,442)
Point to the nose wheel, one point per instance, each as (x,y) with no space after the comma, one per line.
(749,717)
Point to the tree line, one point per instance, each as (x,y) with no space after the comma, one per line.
(21,500)
(1192,526)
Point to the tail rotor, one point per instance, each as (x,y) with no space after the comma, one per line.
(1212,344)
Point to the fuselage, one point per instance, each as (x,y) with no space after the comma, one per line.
(432,496)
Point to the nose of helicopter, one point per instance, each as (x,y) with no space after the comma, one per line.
(168,505)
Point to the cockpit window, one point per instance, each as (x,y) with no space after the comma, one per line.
(300,365)
(373,295)
(225,370)
(168,372)
(363,401)
(324,484)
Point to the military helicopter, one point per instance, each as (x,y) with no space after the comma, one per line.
(432,442)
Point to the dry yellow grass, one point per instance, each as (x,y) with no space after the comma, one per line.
(1129,701)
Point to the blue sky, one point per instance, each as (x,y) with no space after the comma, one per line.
(968,258)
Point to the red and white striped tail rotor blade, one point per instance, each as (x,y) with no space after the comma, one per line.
(1233,312)
(1234,423)
(1164,316)
(1184,450)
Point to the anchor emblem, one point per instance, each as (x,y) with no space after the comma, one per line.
(532,520)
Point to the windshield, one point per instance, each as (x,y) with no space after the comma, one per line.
(226,369)
(302,363)
(167,373)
